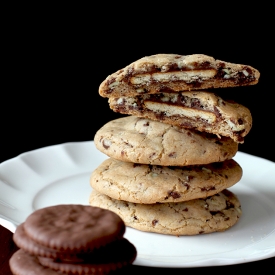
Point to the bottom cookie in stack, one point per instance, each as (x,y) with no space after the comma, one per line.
(185,200)
(71,239)
(199,216)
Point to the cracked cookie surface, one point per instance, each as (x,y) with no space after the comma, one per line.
(139,140)
(175,72)
(200,216)
(141,183)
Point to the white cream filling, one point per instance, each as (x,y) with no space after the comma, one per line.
(181,111)
(187,111)
(172,76)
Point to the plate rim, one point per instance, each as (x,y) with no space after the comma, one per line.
(5,222)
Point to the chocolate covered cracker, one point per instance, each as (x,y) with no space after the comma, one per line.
(71,239)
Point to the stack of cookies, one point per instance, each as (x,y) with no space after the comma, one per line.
(171,157)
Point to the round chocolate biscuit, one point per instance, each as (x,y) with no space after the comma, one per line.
(145,141)
(73,227)
(27,244)
(143,183)
(112,257)
(30,246)
(23,263)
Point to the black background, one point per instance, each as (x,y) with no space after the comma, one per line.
(56,60)
(56,57)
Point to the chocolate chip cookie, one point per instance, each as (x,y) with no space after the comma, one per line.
(141,183)
(145,141)
(200,110)
(174,72)
(199,216)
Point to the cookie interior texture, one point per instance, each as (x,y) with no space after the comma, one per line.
(148,184)
(199,110)
(145,141)
(174,72)
(216,213)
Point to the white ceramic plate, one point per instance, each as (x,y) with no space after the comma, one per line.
(60,174)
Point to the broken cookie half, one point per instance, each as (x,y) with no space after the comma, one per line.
(200,110)
(176,73)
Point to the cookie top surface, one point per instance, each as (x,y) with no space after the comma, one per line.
(175,72)
(139,140)
(199,216)
(200,110)
(141,183)
(73,227)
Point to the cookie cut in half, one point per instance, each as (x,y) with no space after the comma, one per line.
(141,183)
(145,141)
(200,216)
(174,72)
(200,110)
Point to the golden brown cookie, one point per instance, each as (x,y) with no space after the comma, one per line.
(148,184)
(174,72)
(139,140)
(200,216)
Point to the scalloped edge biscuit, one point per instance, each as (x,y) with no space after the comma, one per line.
(73,228)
